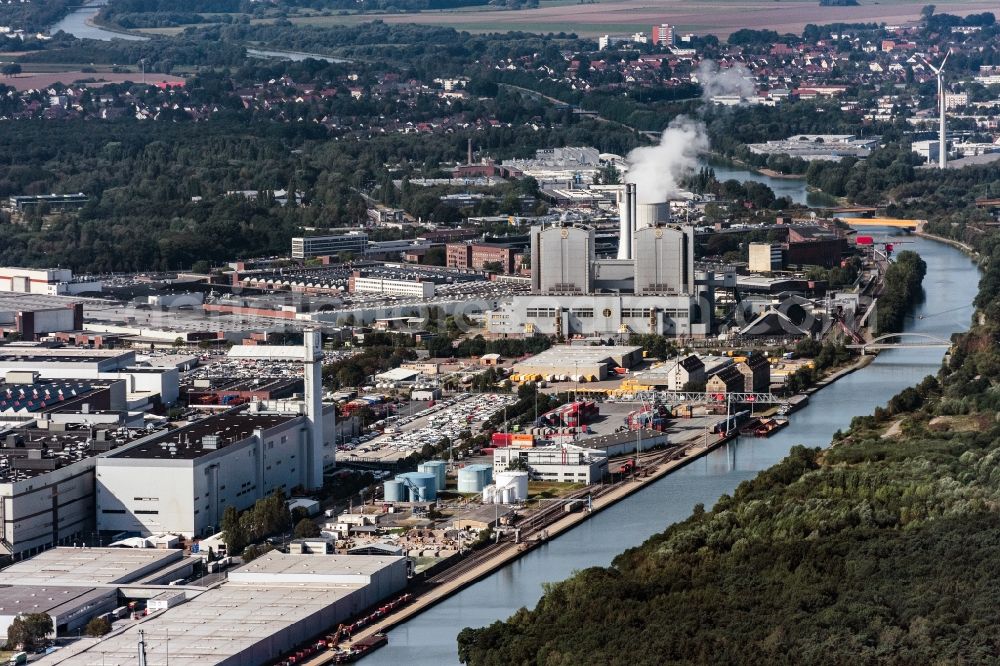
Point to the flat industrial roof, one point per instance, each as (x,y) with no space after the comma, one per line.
(616,438)
(209,628)
(88,567)
(187,443)
(9,301)
(47,598)
(275,563)
(566,355)
(230,619)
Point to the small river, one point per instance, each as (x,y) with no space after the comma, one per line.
(76,23)
(430,638)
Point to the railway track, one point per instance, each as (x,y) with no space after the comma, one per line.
(533,526)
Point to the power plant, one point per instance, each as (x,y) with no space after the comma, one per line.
(649,287)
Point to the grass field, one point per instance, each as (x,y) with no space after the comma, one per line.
(719,17)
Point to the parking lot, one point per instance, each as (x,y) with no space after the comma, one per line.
(405,434)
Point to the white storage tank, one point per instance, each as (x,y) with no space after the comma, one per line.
(489,492)
(517,482)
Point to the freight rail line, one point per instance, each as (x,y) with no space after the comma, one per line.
(491,557)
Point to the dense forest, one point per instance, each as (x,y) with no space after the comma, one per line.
(158,190)
(33,16)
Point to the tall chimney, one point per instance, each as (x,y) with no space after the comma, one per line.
(469,159)
(313,366)
(626,220)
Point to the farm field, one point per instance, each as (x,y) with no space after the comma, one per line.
(718,17)
(41,80)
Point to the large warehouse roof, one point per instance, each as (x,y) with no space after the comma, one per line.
(248,622)
(87,566)
(275,567)
(566,355)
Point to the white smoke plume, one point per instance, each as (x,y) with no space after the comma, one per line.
(734,80)
(656,170)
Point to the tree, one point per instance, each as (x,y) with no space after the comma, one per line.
(306,529)
(435,256)
(518,465)
(251,553)
(28,632)
(493,267)
(233,531)
(97,627)
(10,69)
(927,11)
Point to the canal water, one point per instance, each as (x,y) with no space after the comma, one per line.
(430,638)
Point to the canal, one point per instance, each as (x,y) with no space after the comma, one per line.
(430,639)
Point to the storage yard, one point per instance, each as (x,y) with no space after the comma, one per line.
(408,433)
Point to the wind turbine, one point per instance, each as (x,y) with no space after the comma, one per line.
(939,73)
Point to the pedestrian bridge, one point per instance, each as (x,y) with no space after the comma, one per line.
(883,222)
(907,341)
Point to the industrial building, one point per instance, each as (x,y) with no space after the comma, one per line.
(26,202)
(143,383)
(579,363)
(756,371)
(44,281)
(479,256)
(671,375)
(75,584)
(624,443)
(182,480)
(727,380)
(650,288)
(818,146)
(306,247)
(31,316)
(563,464)
(373,284)
(39,464)
(765,257)
(264,610)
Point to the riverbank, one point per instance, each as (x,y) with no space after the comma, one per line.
(967,249)
(717,159)
(509,552)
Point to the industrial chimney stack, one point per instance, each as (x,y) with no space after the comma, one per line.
(313,365)
(626,220)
